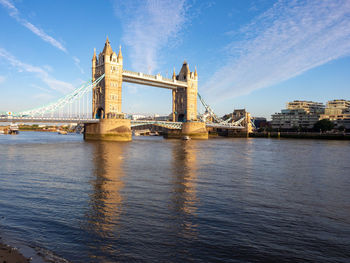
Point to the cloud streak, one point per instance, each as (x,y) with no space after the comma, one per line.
(77,64)
(14,13)
(285,41)
(149,26)
(41,73)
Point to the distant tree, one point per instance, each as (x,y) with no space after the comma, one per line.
(341,128)
(323,125)
(270,129)
(304,129)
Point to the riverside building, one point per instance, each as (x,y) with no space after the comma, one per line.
(338,111)
(299,114)
(309,107)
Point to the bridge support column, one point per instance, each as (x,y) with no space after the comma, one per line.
(108,130)
(195,130)
(174,105)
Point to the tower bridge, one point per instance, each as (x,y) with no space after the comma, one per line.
(107,97)
(103,94)
(107,94)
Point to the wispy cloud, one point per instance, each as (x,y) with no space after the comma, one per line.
(77,64)
(285,41)
(40,73)
(14,13)
(46,90)
(148,26)
(42,96)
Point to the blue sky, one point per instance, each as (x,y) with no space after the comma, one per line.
(249,54)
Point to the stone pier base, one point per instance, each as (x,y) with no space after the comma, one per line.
(108,130)
(195,130)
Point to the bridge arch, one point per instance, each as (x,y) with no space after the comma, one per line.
(100,113)
(181,117)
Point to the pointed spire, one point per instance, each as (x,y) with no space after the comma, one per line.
(94,56)
(107,50)
(120,56)
(120,52)
(174,74)
(195,72)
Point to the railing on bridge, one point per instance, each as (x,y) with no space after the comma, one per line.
(166,124)
(76,105)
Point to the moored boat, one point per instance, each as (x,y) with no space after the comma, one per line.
(13,129)
(62,132)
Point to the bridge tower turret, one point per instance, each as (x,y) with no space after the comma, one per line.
(185,99)
(107,98)
(107,95)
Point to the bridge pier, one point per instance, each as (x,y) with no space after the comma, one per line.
(108,130)
(195,130)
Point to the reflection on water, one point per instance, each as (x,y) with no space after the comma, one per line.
(106,199)
(184,199)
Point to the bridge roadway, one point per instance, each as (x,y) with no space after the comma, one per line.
(152,80)
(134,123)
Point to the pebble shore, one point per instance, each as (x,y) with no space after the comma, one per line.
(11,255)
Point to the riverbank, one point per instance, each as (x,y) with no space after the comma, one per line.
(295,135)
(11,255)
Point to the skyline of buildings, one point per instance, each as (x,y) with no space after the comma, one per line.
(304,114)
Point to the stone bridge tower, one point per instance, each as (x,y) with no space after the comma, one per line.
(107,95)
(185,99)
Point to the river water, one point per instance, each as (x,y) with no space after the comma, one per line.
(157,200)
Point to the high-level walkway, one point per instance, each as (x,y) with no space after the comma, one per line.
(152,80)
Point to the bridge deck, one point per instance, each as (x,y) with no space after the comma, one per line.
(168,124)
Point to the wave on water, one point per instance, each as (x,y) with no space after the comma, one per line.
(49,256)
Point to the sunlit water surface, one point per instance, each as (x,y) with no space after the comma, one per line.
(157,200)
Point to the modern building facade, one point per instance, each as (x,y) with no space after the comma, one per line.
(338,111)
(299,114)
(309,107)
(304,114)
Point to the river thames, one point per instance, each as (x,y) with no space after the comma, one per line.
(157,200)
